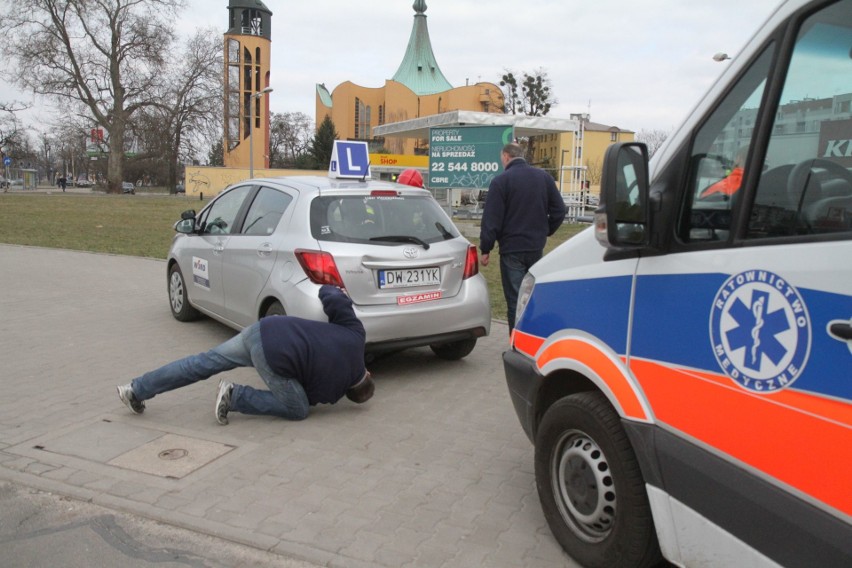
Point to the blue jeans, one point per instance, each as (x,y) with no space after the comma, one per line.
(285,398)
(513,267)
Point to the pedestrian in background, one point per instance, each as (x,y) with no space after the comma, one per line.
(303,362)
(523,207)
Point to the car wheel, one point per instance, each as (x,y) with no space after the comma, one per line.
(275,309)
(455,350)
(590,485)
(178,297)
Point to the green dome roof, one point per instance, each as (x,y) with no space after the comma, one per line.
(419,70)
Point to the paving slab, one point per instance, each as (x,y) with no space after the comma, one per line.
(433,471)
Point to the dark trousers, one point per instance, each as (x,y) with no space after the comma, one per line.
(513,268)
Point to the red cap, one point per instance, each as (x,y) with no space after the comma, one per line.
(411,177)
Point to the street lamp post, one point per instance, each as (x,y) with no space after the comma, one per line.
(254,97)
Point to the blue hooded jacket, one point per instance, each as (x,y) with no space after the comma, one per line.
(326,358)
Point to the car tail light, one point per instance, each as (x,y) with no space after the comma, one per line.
(319,266)
(384,193)
(471,263)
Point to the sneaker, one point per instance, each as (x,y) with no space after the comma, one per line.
(125,393)
(223,401)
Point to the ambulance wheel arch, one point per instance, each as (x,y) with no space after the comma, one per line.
(573,361)
(590,484)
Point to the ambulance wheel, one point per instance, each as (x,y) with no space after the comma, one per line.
(455,350)
(178,296)
(590,485)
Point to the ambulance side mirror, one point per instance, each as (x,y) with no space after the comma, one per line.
(622,220)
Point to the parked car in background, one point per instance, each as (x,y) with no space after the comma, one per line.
(265,246)
(128,187)
(83,182)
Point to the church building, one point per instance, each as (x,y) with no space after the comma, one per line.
(417,89)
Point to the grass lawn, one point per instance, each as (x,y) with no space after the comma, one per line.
(141,225)
(135,225)
(492,271)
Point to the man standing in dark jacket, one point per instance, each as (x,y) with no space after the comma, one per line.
(303,363)
(523,207)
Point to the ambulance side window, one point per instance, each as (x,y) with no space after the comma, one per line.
(806,186)
(718,160)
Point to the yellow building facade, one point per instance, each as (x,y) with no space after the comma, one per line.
(579,154)
(417,89)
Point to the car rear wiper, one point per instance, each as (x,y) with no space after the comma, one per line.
(444,232)
(402,239)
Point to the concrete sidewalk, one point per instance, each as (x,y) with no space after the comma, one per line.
(433,471)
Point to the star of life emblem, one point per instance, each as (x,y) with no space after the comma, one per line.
(760,331)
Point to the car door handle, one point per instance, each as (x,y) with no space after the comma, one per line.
(265,249)
(841,330)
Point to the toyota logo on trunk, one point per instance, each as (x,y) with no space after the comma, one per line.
(410,252)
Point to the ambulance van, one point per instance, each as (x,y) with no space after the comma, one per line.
(684,367)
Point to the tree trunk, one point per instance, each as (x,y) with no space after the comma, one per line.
(115,165)
(172,150)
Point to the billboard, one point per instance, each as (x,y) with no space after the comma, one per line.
(466,156)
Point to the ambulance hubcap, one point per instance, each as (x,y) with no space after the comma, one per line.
(583,486)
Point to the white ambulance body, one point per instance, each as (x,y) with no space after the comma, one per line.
(688,385)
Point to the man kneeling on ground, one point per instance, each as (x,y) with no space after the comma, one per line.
(302,362)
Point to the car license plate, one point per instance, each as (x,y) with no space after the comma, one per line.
(407,277)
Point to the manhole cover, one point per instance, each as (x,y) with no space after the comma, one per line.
(173,454)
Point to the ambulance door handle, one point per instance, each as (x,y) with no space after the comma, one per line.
(841,330)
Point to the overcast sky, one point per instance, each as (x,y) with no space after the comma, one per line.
(638,65)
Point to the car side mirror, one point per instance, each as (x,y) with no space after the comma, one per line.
(185,226)
(188,214)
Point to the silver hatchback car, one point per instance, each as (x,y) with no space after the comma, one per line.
(265,246)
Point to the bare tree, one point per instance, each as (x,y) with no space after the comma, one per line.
(594,170)
(653,139)
(532,96)
(290,138)
(106,54)
(10,126)
(189,111)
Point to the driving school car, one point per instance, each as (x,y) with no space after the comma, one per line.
(265,246)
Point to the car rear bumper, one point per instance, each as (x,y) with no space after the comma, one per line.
(465,315)
(391,327)
(421,340)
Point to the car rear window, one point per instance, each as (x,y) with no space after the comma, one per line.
(371,219)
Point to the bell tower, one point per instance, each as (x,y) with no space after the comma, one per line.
(247,52)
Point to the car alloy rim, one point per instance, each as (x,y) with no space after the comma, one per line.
(176,292)
(583,486)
